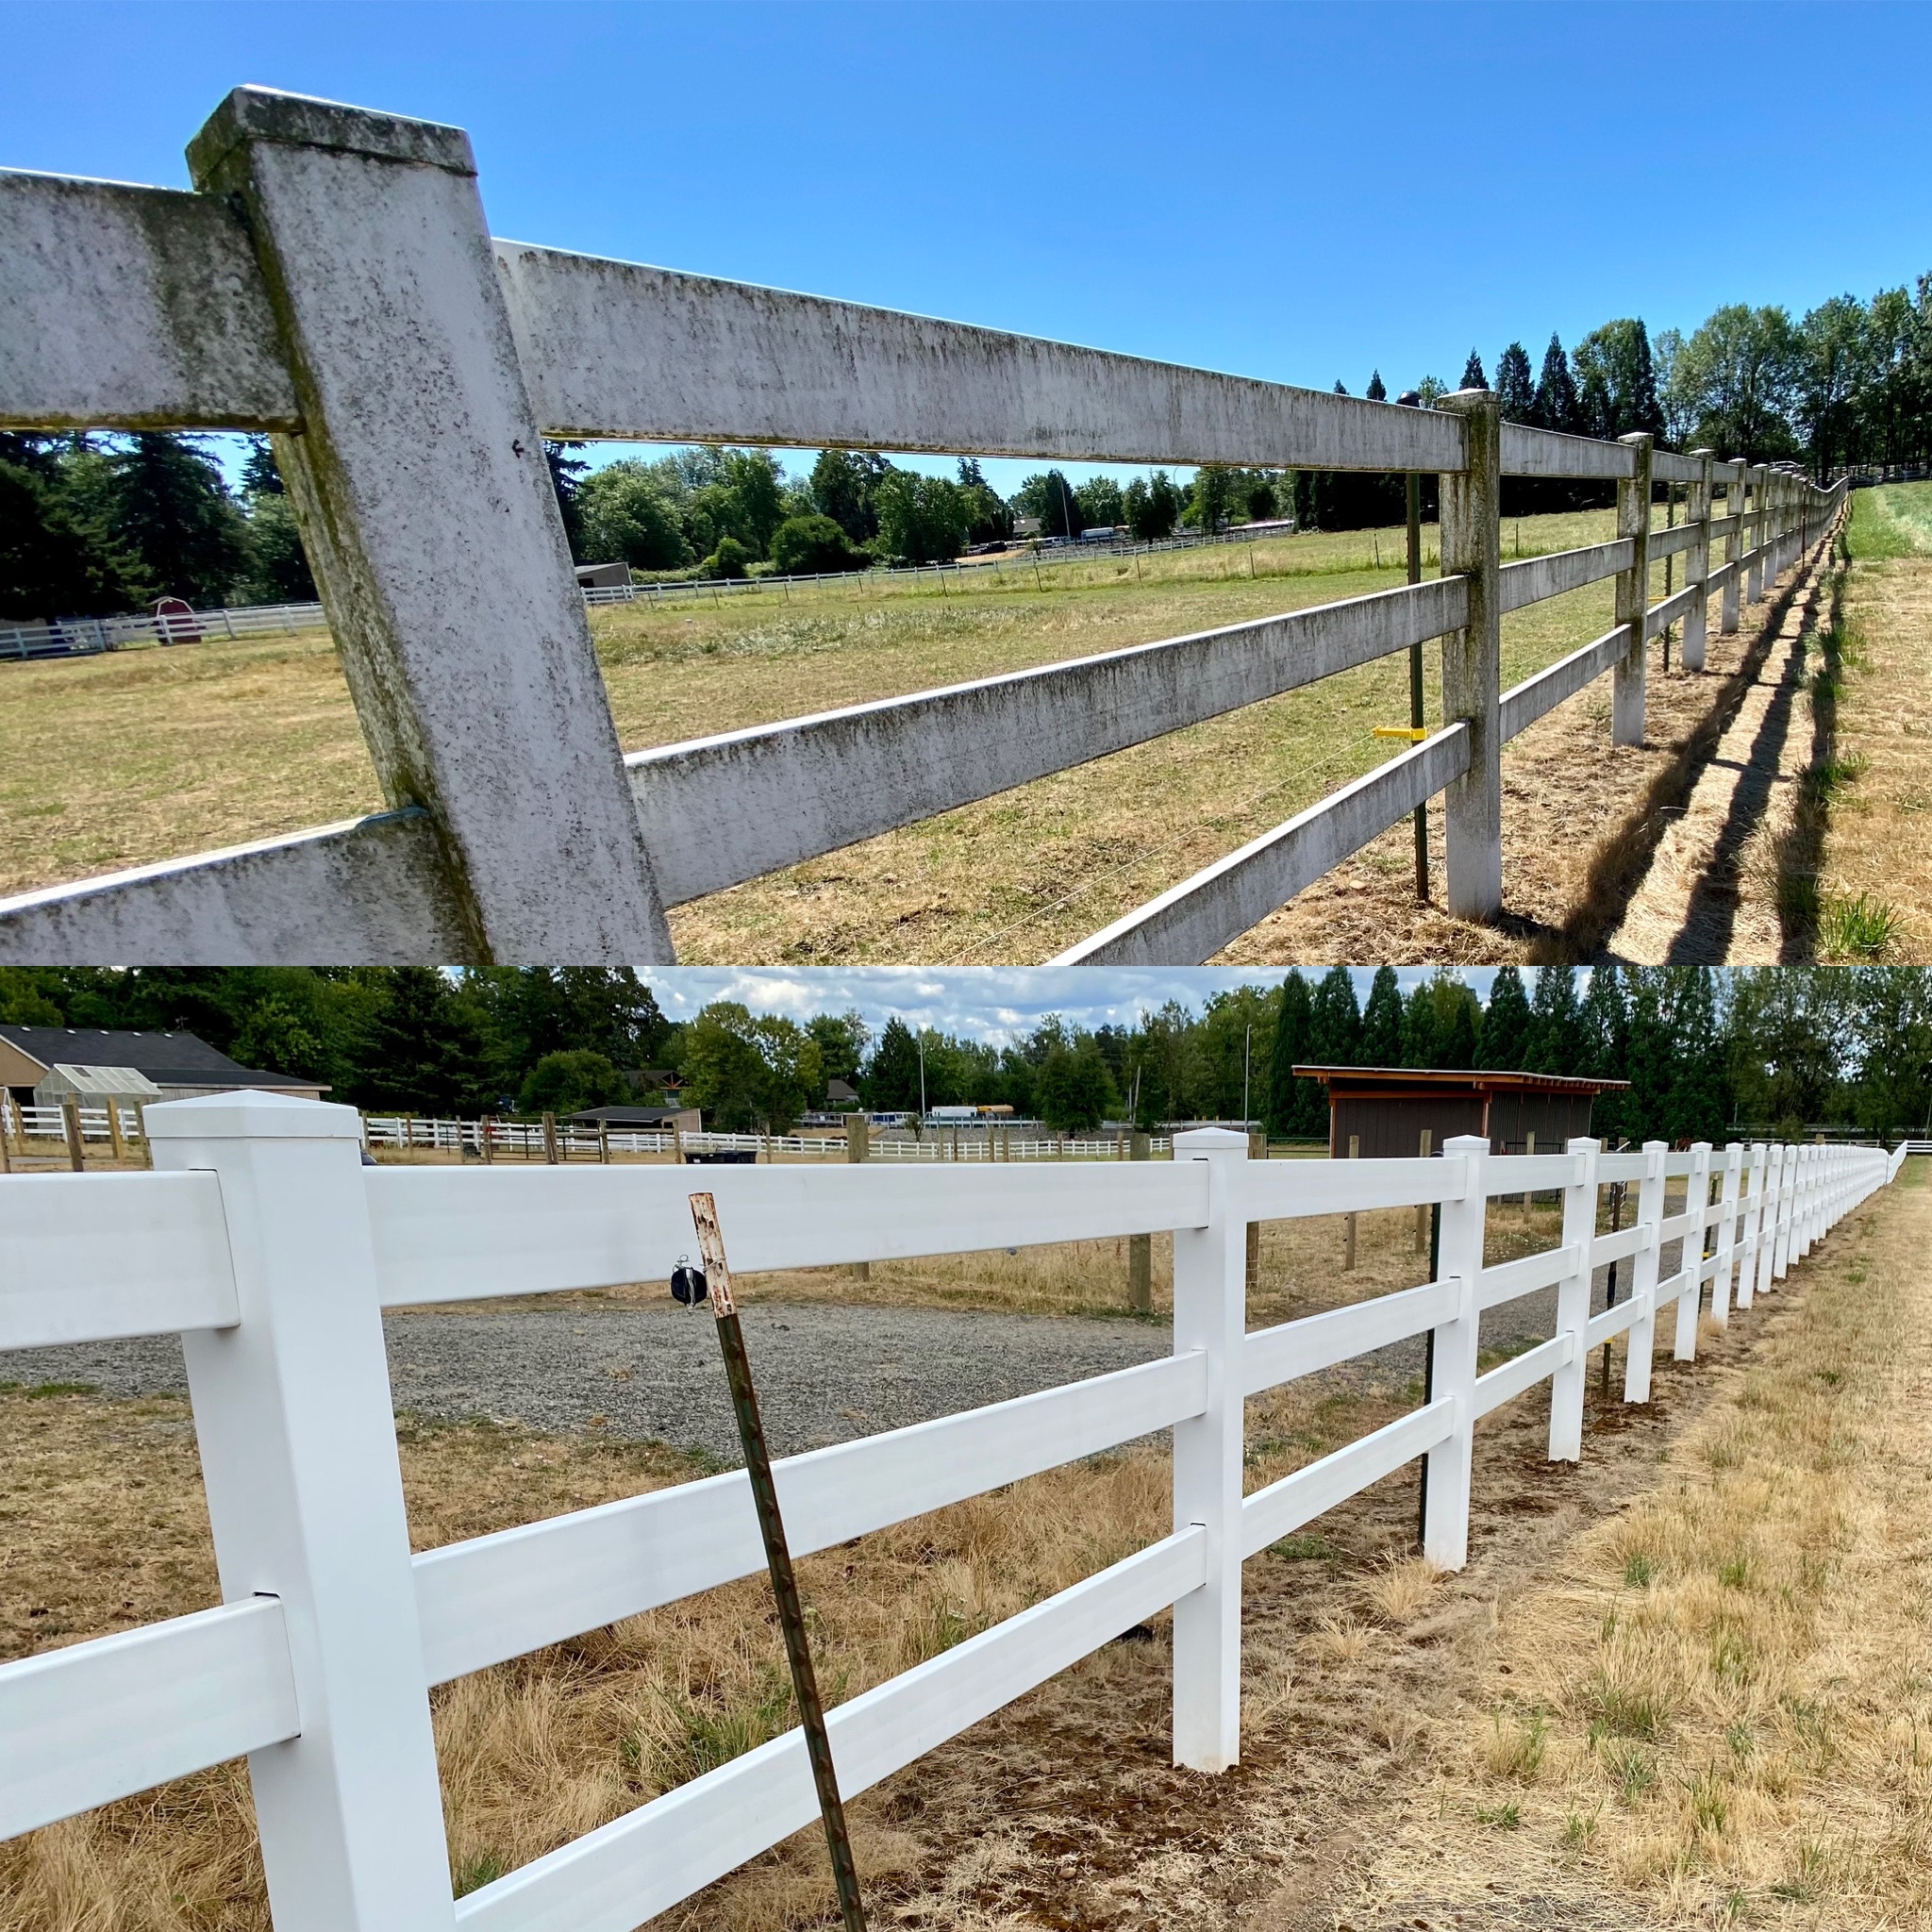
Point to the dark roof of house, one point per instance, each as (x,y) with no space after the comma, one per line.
(1465,1079)
(841,1089)
(169,1060)
(630,1116)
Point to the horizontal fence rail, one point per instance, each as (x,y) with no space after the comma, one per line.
(350,247)
(267,1243)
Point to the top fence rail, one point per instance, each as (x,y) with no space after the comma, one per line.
(330,280)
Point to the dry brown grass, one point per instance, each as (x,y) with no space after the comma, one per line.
(167,752)
(1719,1711)
(1877,839)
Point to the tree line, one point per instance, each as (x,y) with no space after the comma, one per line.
(1773,1049)
(92,525)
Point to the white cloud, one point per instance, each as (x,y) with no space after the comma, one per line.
(997,1004)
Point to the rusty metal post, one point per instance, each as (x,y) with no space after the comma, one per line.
(757,1462)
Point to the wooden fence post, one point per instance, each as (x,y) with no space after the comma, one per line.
(1210,1314)
(115,1150)
(466,644)
(857,1145)
(304,1496)
(1529,1149)
(1573,1303)
(1139,1246)
(1258,1150)
(1423,1211)
(1734,547)
(1697,562)
(1690,1255)
(147,1146)
(1445,1513)
(1472,660)
(1355,1153)
(76,1147)
(1644,1273)
(1628,718)
(550,1138)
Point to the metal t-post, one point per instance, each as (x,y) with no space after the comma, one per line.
(764,1494)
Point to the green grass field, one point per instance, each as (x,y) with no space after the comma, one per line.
(140,755)
(1894,519)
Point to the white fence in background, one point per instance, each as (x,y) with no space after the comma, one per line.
(272,1250)
(439,550)
(84,637)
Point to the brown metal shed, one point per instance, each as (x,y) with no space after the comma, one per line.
(1389,1108)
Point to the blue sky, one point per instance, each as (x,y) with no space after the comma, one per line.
(992,1003)
(1297,193)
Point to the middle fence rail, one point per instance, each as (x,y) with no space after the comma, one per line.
(331,281)
(273,1251)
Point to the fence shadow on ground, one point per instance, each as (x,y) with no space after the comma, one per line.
(1624,857)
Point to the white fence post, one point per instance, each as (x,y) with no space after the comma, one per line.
(1627,715)
(1690,1257)
(1791,1179)
(1460,1249)
(1773,1200)
(1697,563)
(1573,1303)
(1734,547)
(420,484)
(1472,660)
(1754,583)
(298,1453)
(1211,1302)
(1727,1235)
(1644,1273)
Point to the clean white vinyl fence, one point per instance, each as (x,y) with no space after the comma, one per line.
(526,1137)
(332,282)
(273,1251)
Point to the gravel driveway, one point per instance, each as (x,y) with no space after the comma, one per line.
(825,1374)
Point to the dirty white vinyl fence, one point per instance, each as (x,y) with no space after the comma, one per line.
(268,1246)
(331,282)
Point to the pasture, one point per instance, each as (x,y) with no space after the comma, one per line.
(163,753)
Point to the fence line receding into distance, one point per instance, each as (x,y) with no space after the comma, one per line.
(273,1251)
(331,282)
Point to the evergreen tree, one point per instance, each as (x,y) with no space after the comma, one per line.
(1555,1025)
(1457,1028)
(1382,1022)
(1377,391)
(1286,1108)
(1472,376)
(1505,1022)
(161,504)
(1606,1034)
(892,1080)
(52,564)
(278,569)
(1516,385)
(424,1054)
(1649,1060)
(1418,1033)
(566,474)
(1555,406)
(1699,1092)
(260,474)
(1335,1033)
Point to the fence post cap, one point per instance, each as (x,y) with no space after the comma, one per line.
(1196,1142)
(251,1114)
(267,114)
